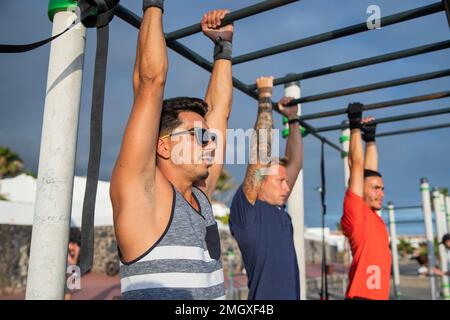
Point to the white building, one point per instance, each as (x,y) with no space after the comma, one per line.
(21,192)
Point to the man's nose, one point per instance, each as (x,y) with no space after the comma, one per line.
(211,146)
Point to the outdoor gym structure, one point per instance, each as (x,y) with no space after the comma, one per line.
(440,204)
(47,268)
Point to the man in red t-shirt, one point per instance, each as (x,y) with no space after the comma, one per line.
(371,267)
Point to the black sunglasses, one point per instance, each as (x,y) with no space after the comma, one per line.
(202,136)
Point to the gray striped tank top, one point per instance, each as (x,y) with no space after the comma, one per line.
(184,263)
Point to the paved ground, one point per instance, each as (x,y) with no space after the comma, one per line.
(412,286)
(101,287)
(93,287)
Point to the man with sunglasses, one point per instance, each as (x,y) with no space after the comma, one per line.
(258,219)
(202,136)
(371,266)
(167,169)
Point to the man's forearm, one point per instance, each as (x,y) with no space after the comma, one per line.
(356,159)
(219,94)
(355,149)
(219,99)
(137,153)
(151,58)
(371,156)
(261,142)
(369,133)
(294,146)
(263,131)
(260,147)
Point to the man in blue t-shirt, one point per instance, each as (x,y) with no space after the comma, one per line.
(258,219)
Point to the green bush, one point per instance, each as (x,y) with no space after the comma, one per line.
(404,247)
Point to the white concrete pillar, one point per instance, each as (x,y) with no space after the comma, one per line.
(394,250)
(439,210)
(345,145)
(296,205)
(428,221)
(447,212)
(51,224)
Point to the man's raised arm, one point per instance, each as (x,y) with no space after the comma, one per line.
(356,156)
(136,163)
(261,143)
(294,144)
(368,134)
(219,95)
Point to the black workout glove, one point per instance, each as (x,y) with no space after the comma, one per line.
(223,44)
(153,3)
(223,49)
(354,112)
(368,131)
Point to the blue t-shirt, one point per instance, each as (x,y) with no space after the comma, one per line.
(265,237)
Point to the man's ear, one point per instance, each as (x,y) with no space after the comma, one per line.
(162,149)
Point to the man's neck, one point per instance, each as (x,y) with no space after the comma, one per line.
(181,183)
(183,187)
(262,198)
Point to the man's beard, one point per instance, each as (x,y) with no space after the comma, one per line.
(203,175)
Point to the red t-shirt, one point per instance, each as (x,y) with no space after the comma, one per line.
(371,267)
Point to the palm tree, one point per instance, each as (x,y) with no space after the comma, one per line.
(221,192)
(404,247)
(11,164)
(223,185)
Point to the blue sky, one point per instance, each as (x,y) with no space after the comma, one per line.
(403,159)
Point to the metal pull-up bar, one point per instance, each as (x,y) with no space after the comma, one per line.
(311,130)
(410,116)
(361,63)
(249,90)
(413,130)
(380,105)
(405,207)
(412,221)
(134,20)
(374,86)
(339,33)
(231,17)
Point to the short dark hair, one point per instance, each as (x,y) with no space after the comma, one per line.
(371,173)
(75,236)
(172,107)
(445,238)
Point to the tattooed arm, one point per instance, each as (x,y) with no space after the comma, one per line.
(260,148)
